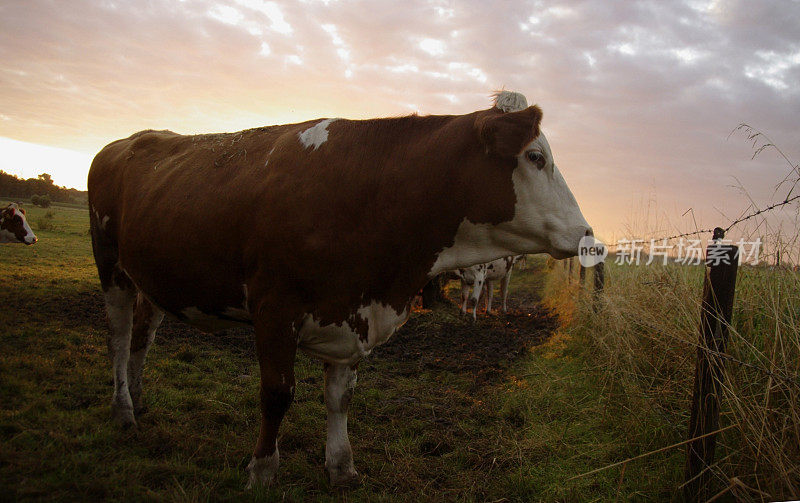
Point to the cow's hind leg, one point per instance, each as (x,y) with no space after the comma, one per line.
(276,346)
(120,299)
(120,295)
(340,382)
(146,319)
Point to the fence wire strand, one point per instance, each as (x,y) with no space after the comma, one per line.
(753,135)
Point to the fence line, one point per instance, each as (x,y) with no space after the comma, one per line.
(716,312)
(753,135)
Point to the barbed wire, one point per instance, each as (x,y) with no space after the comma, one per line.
(753,135)
(686,234)
(769,208)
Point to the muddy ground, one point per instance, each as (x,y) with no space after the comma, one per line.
(441,338)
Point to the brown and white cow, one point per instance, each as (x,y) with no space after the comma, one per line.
(480,275)
(14,226)
(318,234)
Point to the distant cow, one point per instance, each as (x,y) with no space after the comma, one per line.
(480,275)
(14,226)
(318,234)
(468,275)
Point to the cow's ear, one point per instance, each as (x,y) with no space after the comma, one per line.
(505,134)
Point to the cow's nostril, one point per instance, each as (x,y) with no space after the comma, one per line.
(589,232)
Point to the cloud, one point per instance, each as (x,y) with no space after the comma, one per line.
(637,96)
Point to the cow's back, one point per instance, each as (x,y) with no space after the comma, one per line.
(160,197)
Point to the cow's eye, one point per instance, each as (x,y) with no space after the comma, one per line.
(536,158)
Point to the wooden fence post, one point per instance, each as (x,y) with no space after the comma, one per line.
(599,283)
(569,270)
(715,317)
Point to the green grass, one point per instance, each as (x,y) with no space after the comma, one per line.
(644,341)
(27,203)
(441,413)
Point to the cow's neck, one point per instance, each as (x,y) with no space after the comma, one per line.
(468,199)
(473,244)
(449,231)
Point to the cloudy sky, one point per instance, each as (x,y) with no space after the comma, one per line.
(639,98)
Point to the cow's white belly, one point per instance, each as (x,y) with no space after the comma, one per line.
(340,343)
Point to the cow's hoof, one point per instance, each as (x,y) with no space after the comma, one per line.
(262,470)
(124,417)
(344,478)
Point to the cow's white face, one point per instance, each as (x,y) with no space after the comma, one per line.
(479,273)
(14,226)
(546,217)
(467,274)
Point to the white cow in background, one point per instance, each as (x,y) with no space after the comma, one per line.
(467,275)
(479,275)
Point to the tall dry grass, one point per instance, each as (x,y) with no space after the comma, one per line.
(643,341)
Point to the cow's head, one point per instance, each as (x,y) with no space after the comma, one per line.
(14,226)
(466,274)
(479,272)
(546,216)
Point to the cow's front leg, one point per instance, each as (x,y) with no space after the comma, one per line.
(477,288)
(504,290)
(464,296)
(340,382)
(276,347)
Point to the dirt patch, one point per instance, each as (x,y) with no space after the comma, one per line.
(444,339)
(439,339)
(86,308)
(81,309)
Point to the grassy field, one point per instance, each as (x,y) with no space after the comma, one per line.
(508,409)
(644,337)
